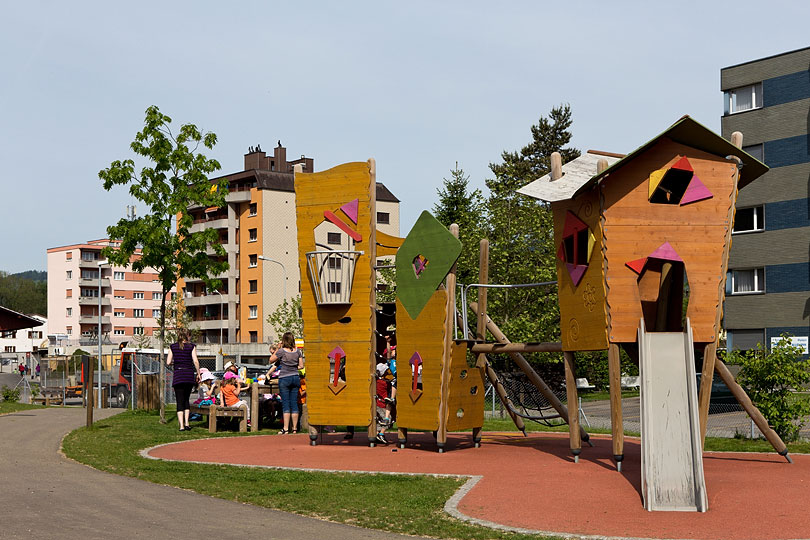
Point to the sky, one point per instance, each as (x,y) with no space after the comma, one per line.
(417,85)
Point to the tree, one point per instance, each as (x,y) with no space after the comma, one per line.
(287,318)
(458,204)
(24,294)
(771,379)
(176,179)
(176,317)
(521,235)
(141,340)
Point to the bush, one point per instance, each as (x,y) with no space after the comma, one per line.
(771,379)
(11,395)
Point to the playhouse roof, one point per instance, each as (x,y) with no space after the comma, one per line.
(576,173)
(689,132)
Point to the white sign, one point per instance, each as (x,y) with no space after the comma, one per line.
(796,341)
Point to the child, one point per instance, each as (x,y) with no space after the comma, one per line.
(383,409)
(206,389)
(229,394)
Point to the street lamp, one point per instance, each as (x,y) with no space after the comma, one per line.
(220,321)
(100,264)
(262,257)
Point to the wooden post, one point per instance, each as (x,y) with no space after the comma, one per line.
(507,404)
(573,403)
(447,356)
(372,257)
(556,166)
(481,330)
(87,391)
(531,374)
(710,350)
(254,407)
(616,420)
(750,408)
(212,418)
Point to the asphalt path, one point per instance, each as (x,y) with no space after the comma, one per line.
(45,495)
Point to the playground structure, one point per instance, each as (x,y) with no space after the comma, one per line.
(639,237)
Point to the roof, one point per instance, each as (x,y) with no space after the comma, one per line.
(689,132)
(12,320)
(576,173)
(384,194)
(764,58)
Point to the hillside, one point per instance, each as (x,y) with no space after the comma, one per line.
(26,292)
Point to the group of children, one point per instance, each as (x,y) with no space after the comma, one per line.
(386,394)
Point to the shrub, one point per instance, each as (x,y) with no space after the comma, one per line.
(11,395)
(771,379)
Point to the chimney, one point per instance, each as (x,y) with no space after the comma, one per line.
(280,159)
(256,159)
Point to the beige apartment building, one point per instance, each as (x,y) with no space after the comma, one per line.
(130,301)
(257,228)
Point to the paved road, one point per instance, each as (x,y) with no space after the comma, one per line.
(44,496)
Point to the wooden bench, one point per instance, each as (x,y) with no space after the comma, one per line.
(48,398)
(214,411)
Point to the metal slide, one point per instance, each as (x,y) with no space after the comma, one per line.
(671,451)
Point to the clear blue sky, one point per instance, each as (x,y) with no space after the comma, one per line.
(416,85)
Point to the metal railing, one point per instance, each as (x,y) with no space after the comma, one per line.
(332,274)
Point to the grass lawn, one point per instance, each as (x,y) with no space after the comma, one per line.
(113,446)
(358,499)
(7,407)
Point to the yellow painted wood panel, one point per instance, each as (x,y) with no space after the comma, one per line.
(323,329)
(583,313)
(634,228)
(425,335)
(462,380)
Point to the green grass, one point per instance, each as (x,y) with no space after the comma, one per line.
(7,407)
(404,504)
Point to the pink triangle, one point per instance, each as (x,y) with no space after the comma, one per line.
(576,271)
(695,191)
(350,209)
(637,265)
(665,252)
(337,352)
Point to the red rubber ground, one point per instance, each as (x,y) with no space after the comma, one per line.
(533,482)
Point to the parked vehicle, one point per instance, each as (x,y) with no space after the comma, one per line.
(117,382)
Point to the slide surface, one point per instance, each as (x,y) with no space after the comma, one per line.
(671,451)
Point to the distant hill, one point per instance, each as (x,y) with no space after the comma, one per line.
(25,294)
(33,275)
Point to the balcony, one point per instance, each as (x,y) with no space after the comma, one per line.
(93,301)
(223,276)
(213,224)
(93,319)
(209,300)
(237,196)
(89,264)
(93,282)
(211,324)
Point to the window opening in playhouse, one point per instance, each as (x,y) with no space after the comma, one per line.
(672,186)
(463,374)
(576,247)
(420,262)
(333,238)
(473,390)
(460,413)
(663,289)
(337,369)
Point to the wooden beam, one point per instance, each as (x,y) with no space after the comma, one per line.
(573,399)
(556,166)
(531,374)
(616,420)
(750,408)
(447,356)
(493,348)
(372,301)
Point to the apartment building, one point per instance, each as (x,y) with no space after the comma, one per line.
(130,301)
(24,346)
(257,228)
(768,290)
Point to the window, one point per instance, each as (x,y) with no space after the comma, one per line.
(747,281)
(34,334)
(8,334)
(69,274)
(743,98)
(253,209)
(137,296)
(118,276)
(120,314)
(69,312)
(89,255)
(89,274)
(69,330)
(155,313)
(137,331)
(137,313)
(11,348)
(254,336)
(155,296)
(333,238)
(69,293)
(69,256)
(383,218)
(118,332)
(749,219)
(334,263)
(253,261)
(756,150)
(254,312)
(119,296)
(89,293)
(254,285)
(174,295)
(253,235)
(333,287)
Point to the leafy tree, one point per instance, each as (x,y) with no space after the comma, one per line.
(521,235)
(386,282)
(177,316)
(458,204)
(287,318)
(176,179)
(771,379)
(23,294)
(141,341)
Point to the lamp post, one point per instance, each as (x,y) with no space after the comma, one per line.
(100,264)
(262,257)
(220,321)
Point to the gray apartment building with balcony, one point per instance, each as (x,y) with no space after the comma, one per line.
(768,287)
